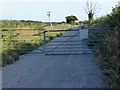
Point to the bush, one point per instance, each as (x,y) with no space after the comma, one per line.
(71,19)
(107,54)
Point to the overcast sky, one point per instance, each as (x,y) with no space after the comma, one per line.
(37,9)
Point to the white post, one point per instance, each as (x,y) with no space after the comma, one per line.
(51,26)
(83,35)
(49,13)
(36,31)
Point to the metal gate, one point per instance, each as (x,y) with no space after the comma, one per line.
(75,41)
(70,43)
(62,42)
(23,41)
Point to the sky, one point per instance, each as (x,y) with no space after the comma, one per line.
(37,9)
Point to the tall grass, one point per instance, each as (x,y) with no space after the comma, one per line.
(107,53)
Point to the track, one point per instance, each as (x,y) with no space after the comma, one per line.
(54,71)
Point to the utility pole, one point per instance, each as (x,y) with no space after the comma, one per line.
(49,14)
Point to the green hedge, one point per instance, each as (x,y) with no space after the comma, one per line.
(107,54)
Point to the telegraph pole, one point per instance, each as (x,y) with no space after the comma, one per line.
(49,14)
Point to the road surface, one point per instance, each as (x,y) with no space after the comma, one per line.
(54,71)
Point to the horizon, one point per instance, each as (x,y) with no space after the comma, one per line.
(36,11)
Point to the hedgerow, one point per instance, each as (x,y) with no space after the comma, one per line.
(108,52)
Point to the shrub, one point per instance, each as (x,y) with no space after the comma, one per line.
(107,53)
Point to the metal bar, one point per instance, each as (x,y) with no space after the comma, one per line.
(63,44)
(97,34)
(56,30)
(93,36)
(78,53)
(30,53)
(21,49)
(19,29)
(44,26)
(65,47)
(5,39)
(94,40)
(68,51)
(19,40)
(92,43)
(61,36)
(21,46)
(44,43)
(64,41)
(61,30)
(24,43)
(18,35)
(100,28)
(24,49)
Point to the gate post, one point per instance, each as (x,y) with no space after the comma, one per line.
(83,36)
(44,43)
(5,39)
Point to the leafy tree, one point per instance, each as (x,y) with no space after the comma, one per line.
(86,22)
(62,22)
(110,20)
(71,19)
(81,22)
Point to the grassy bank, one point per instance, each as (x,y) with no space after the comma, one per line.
(108,50)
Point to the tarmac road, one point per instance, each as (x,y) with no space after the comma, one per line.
(54,71)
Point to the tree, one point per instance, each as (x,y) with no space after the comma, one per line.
(71,19)
(91,8)
(81,22)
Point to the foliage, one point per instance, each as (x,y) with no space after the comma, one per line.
(80,23)
(63,22)
(107,53)
(110,20)
(21,24)
(71,19)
